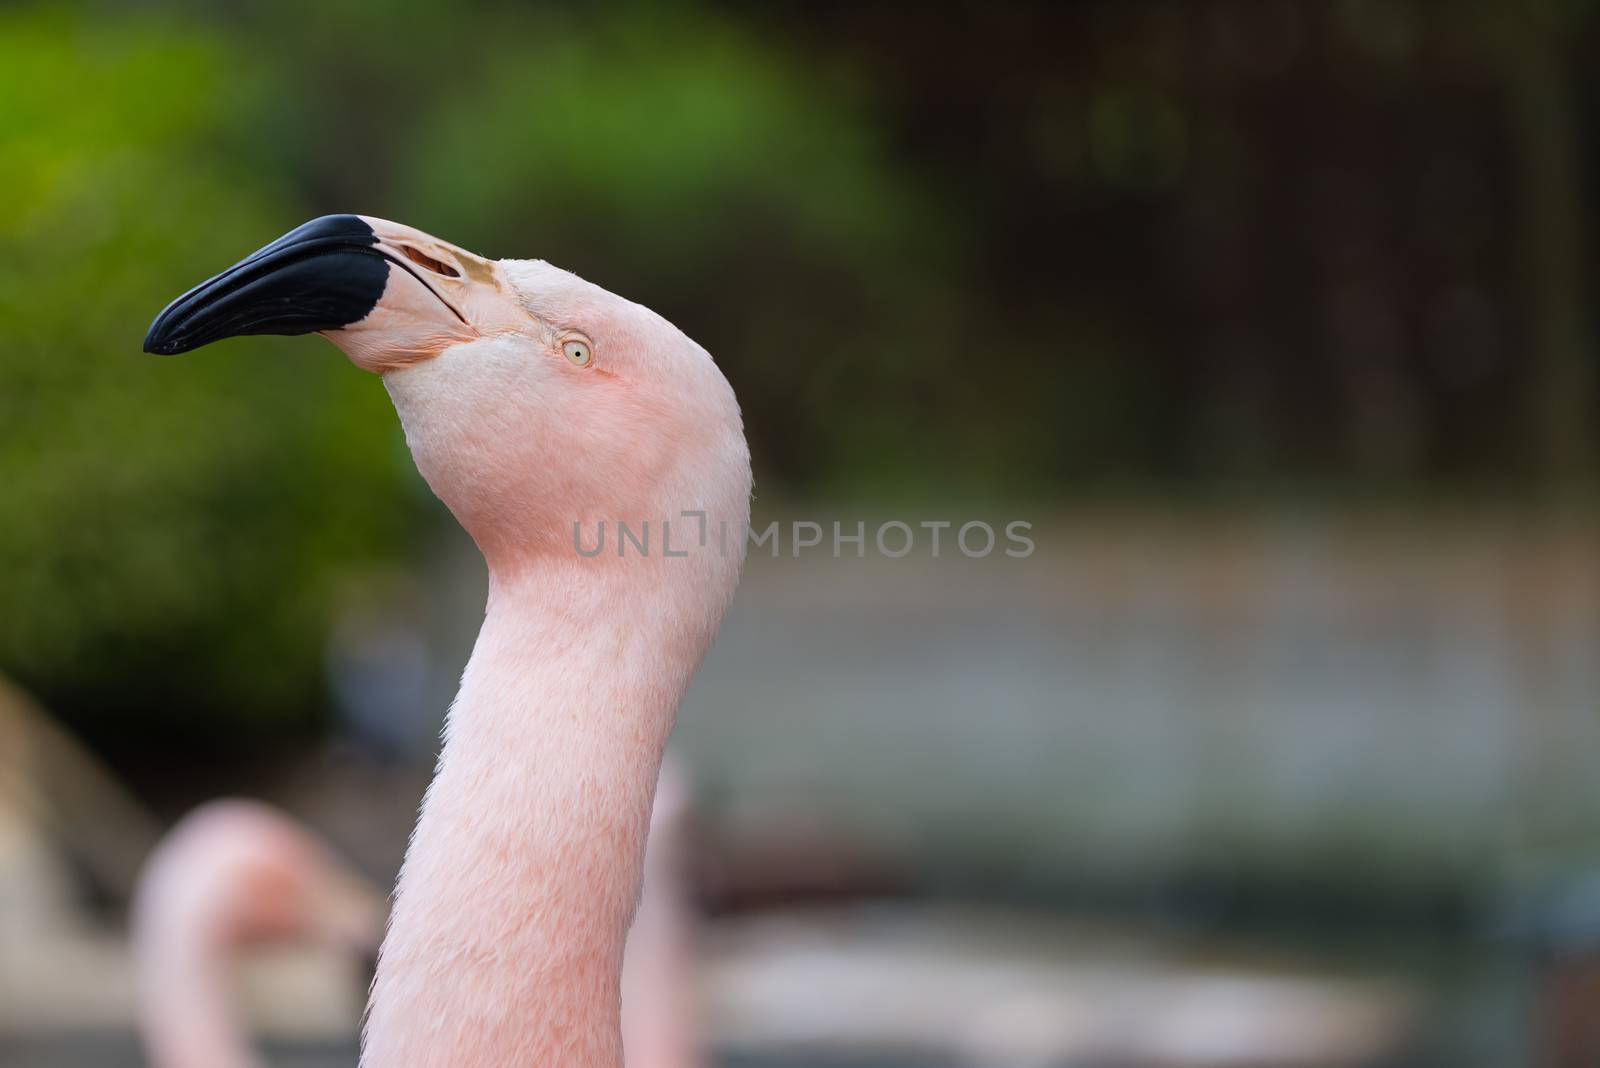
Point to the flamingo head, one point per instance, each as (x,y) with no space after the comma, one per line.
(238,872)
(536,404)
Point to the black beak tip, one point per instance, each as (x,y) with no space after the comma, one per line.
(323,275)
(162,340)
(156,345)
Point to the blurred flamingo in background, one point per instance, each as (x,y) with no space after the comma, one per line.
(229,875)
(536,406)
(660,1012)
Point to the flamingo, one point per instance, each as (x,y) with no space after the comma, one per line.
(660,1020)
(535,405)
(233,873)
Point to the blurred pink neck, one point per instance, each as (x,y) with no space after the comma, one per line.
(505,943)
(188,1017)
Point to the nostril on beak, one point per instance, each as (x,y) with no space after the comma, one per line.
(422,259)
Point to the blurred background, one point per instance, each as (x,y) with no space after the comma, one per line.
(1274,319)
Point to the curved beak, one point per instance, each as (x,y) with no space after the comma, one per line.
(385,293)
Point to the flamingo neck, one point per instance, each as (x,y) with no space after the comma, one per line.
(505,942)
(189,1019)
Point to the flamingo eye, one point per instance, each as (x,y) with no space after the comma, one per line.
(422,259)
(577,351)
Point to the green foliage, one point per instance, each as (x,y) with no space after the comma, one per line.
(171,529)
